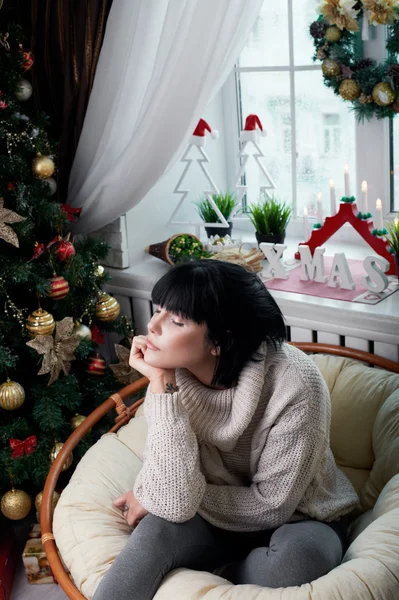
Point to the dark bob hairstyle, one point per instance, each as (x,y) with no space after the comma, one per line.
(234,304)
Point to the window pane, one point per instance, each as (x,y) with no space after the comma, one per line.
(304,12)
(267,95)
(325,130)
(267,45)
(395,164)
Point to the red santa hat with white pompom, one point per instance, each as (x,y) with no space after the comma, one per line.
(252,128)
(198,137)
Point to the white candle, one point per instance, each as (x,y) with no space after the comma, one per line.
(306,233)
(395,222)
(333,205)
(346,178)
(379,223)
(365,207)
(319,209)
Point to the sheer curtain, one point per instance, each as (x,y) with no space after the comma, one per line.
(160,64)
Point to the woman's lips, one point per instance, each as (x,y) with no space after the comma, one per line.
(151,346)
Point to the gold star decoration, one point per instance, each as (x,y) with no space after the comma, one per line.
(124,373)
(58,350)
(8,216)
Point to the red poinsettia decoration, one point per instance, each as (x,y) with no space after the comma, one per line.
(72,213)
(22,447)
(38,250)
(96,335)
(64,249)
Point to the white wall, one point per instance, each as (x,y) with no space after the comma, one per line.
(146,222)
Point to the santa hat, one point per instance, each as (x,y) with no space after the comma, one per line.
(250,131)
(198,137)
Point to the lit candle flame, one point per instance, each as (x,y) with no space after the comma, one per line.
(395,222)
(346,169)
(331,183)
(364,186)
(319,197)
(305,211)
(378,204)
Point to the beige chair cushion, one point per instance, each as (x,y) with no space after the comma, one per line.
(90,533)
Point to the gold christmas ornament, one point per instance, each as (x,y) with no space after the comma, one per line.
(123,372)
(333,34)
(349,89)
(59,287)
(99,271)
(52,185)
(107,308)
(12,395)
(16,505)
(39,498)
(24,91)
(54,453)
(8,216)
(43,166)
(383,94)
(330,68)
(76,421)
(40,322)
(82,331)
(58,350)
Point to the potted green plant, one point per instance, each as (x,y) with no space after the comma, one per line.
(393,240)
(225,203)
(270,219)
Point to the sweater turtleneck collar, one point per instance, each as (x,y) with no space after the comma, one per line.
(220,417)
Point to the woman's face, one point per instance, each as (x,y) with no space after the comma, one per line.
(174,342)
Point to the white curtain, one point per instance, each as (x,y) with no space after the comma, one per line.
(160,64)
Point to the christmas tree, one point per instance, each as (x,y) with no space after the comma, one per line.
(53,311)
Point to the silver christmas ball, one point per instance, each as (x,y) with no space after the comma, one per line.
(82,331)
(52,185)
(24,91)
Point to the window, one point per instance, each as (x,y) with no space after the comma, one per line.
(394,163)
(312,134)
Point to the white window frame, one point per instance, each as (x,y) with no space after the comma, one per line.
(371,138)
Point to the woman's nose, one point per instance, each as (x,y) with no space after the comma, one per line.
(154,324)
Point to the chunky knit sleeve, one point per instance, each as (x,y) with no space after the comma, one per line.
(289,461)
(170,484)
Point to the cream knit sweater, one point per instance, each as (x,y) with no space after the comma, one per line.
(250,457)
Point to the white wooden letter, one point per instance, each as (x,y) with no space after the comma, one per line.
(375,266)
(312,268)
(340,273)
(273,253)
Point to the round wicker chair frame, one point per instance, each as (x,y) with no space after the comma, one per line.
(124,414)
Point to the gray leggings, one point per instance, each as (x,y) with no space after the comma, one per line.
(293,554)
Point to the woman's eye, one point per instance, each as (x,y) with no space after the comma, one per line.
(177,323)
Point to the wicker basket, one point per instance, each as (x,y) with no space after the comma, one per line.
(124,415)
(161,249)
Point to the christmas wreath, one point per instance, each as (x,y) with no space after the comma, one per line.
(338,36)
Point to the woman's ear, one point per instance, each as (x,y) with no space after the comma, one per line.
(215,351)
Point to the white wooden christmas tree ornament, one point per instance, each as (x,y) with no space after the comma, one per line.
(198,141)
(253,129)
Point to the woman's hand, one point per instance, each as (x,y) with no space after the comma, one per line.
(131,508)
(137,361)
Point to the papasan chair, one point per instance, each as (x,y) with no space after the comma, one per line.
(87,532)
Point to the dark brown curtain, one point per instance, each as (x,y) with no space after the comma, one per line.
(66,41)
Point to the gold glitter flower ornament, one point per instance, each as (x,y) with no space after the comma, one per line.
(8,216)
(58,350)
(340,13)
(381,12)
(123,372)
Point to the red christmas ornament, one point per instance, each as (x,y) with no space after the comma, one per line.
(96,365)
(72,213)
(64,249)
(38,250)
(28,59)
(10,186)
(3,104)
(96,336)
(59,287)
(20,447)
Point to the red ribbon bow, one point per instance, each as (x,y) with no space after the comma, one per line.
(20,447)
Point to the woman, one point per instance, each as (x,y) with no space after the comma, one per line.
(238,475)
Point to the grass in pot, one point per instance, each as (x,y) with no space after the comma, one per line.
(270,219)
(393,240)
(225,203)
